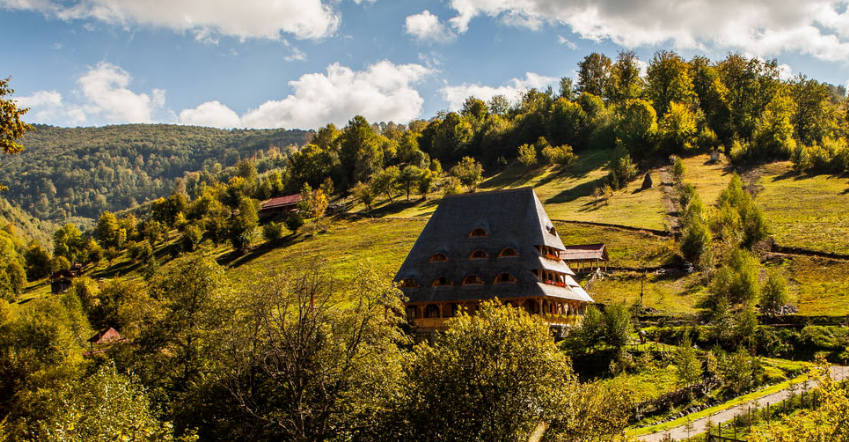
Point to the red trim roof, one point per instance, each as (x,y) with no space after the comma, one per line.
(108,335)
(282,201)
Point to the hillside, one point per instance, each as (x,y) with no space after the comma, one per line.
(80,172)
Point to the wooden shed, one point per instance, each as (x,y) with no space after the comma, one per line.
(585,258)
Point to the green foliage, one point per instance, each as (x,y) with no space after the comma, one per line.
(636,126)
(687,364)
(739,371)
(737,280)
(678,129)
(104,406)
(469,172)
(610,327)
(774,293)
(560,155)
(273,231)
(363,193)
(386,181)
(528,155)
(140,251)
(191,237)
(593,72)
(773,135)
(669,81)
(68,242)
(738,216)
(622,169)
(107,230)
(11,126)
(243,223)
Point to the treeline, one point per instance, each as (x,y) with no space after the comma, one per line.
(283,360)
(81,172)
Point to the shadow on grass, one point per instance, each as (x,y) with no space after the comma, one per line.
(579,191)
(398,206)
(236,259)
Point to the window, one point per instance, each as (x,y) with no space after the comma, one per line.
(552,230)
(412,312)
(505,277)
(508,252)
(441,281)
(409,283)
(438,257)
(473,280)
(432,311)
(478,254)
(478,232)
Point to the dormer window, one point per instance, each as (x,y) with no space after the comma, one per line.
(552,230)
(441,282)
(505,278)
(478,233)
(478,254)
(473,280)
(409,283)
(439,257)
(508,252)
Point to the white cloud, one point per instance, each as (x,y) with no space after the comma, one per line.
(566,42)
(426,27)
(242,19)
(381,92)
(211,113)
(785,72)
(817,27)
(456,95)
(105,90)
(105,97)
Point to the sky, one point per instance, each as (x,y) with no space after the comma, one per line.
(300,64)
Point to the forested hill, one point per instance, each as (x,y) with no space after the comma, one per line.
(81,172)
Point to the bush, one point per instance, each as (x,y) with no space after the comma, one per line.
(294,222)
(561,155)
(528,155)
(274,231)
(140,251)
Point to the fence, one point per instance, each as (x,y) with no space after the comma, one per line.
(717,438)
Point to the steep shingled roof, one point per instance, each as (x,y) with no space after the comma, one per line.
(511,219)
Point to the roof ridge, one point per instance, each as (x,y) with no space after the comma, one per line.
(489,192)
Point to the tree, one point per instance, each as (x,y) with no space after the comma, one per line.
(637,126)
(618,327)
(773,135)
(386,181)
(409,178)
(593,74)
(568,123)
(469,172)
(739,216)
(68,242)
(360,151)
(308,369)
(318,204)
(107,230)
(528,155)
(621,168)
(425,183)
(774,293)
(38,261)
(11,126)
(560,155)
(678,129)
(506,375)
(625,79)
(669,81)
(273,232)
(242,224)
(687,364)
(17,277)
(737,280)
(364,193)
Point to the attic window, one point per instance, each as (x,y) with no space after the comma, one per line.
(409,283)
(508,252)
(477,233)
(438,257)
(478,254)
(473,280)
(505,278)
(441,281)
(552,230)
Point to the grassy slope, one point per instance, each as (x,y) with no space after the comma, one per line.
(567,195)
(708,178)
(819,286)
(672,294)
(804,210)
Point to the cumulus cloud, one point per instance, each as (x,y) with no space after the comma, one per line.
(427,27)
(818,27)
(105,97)
(307,19)
(381,92)
(456,95)
(566,42)
(211,113)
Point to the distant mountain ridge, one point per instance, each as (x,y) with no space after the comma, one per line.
(73,173)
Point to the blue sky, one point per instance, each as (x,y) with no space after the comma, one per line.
(303,63)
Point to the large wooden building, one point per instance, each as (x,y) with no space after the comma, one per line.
(485,245)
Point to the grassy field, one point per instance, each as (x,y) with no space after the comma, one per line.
(708,178)
(674,294)
(567,195)
(808,211)
(819,286)
(626,248)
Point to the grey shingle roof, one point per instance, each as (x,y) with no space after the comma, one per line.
(512,218)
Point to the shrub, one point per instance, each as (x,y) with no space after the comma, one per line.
(561,155)
(273,231)
(528,155)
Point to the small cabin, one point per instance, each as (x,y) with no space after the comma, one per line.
(62,280)
(105,337)
(585,258)
(280,206)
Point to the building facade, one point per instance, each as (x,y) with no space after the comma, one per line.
(489,245)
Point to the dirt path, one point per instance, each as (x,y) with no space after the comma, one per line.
(700,425)
(670,200)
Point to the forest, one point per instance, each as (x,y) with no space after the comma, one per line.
(162,217)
